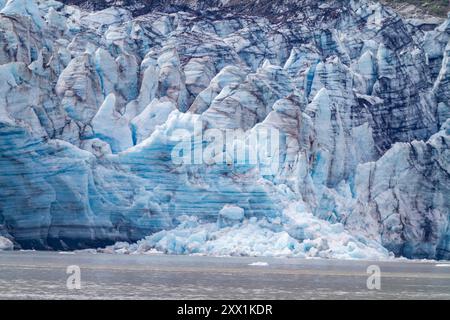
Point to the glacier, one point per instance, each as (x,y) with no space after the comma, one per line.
(6,244)
(92,98)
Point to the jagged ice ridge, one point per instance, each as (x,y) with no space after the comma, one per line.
(90,99)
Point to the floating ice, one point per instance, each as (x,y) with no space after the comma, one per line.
(259,264)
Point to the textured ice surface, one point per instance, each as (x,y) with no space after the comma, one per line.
(111,126)
(90,103)
(23,8)
(296,234)
(5,244)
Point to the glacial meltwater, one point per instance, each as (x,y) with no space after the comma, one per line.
(45,275)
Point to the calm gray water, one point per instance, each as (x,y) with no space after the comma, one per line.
(42,275)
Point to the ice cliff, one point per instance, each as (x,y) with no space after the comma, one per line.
(90,101)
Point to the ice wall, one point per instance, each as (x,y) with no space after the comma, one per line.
(90,102)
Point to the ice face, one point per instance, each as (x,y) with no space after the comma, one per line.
(155,114)
(92,105)
(417,170)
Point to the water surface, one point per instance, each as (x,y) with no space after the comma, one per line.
(42,275)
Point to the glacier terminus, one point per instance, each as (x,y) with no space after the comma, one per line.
(93,96)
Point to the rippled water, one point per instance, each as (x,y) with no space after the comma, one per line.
(42,275)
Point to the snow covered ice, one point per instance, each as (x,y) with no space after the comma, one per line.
(92,103)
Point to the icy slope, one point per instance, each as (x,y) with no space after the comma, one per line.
(91,104)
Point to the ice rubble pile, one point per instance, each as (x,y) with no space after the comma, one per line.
(298,235)
(89,102)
